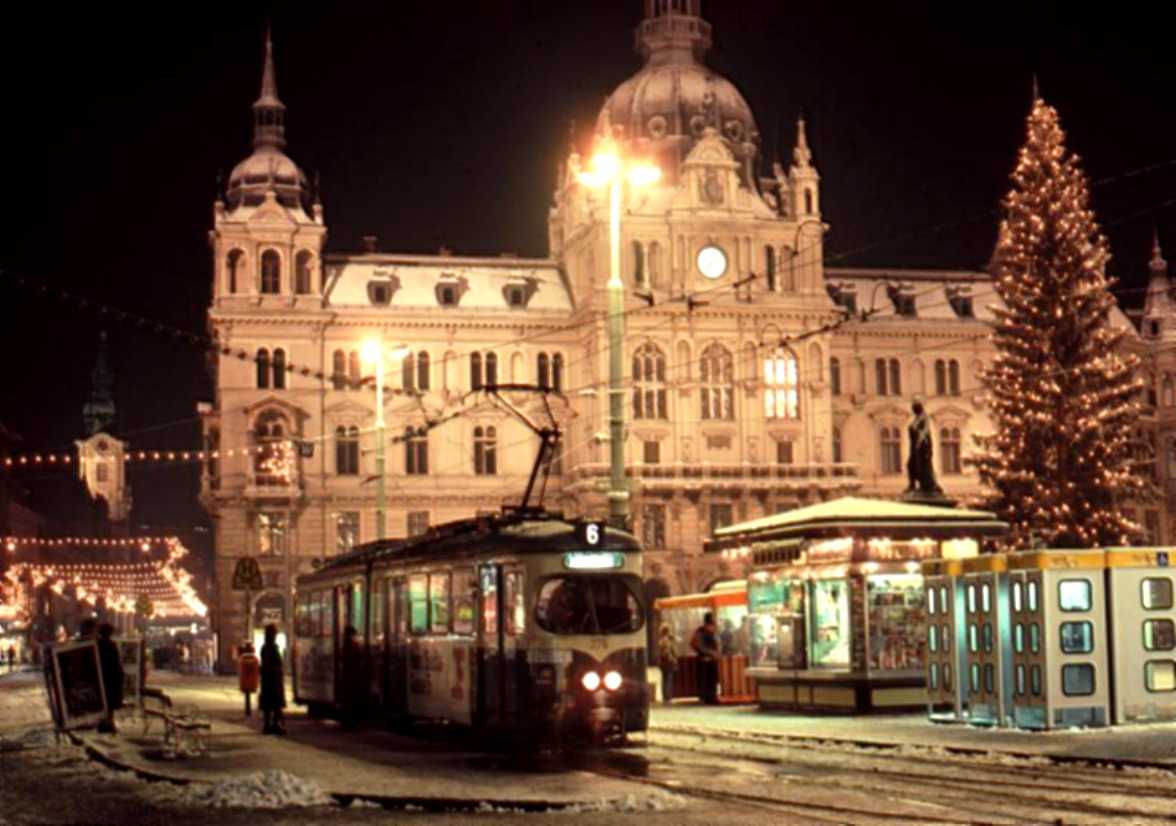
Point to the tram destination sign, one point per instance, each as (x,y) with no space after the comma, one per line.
(247,575)
(593,560)
(590,534)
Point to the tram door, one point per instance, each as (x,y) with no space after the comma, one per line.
(492,663)
(396,674)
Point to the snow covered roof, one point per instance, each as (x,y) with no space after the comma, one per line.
(901,294)
(459,284)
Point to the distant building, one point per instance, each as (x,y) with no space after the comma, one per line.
(743,398)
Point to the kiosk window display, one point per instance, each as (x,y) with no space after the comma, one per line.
(896,619)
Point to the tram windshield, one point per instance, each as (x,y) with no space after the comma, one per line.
(598,604)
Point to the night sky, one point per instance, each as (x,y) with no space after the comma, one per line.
(443,123)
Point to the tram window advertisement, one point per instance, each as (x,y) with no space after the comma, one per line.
(489,600)
(829,637)
(896,619)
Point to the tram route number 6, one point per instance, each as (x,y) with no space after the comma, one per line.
(592,534)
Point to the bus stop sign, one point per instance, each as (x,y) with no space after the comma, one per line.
(247,575)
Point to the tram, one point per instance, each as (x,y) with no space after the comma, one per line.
(523,624)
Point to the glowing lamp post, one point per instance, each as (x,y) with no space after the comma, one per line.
(607,168)
(373,353)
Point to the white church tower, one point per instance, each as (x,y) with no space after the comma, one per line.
(102,457)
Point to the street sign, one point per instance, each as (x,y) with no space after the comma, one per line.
(247,575)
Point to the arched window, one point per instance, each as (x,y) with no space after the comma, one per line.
(1169,391)
(649,382)
(491,369)
(475,371)
(895,378)
(233,267)
(770,266)
(653,260)
(422,365)
(263,367)
(485,451)
(837,446)
(716,372)
(835,376)
(542,372)
(781,386)
(880,376)
(347,450)
(808,201)
(953,377)
(891,451)
(279,369)
(356,378)
(949,450)
(339,370)
(269,431)
(271,272)
(408,372)
(557,368)
(302,273)
(940,377)
(638,264)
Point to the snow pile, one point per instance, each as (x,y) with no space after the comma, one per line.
(269,789)
(654,802)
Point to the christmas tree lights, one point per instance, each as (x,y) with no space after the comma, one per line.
(1063,397)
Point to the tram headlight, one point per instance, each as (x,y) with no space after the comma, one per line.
(590,681)
(612,680)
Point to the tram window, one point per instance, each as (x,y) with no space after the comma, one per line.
(1035,680)
(946,640)
(987,634)
(465,587)
(971,598)
(418,603)
(933,676)
(1020,672)
(1159,675)
(973,644)
(1077,637)
(514,603)
(1031,596)
(943,598)
(1034,637)
(396,600)
(930,600)
(974,677)
(1017,596)
(1077,679)
(985,598)
(439,602)
(989,678)
(377,612)
(355,619)
(1159,635)
(1018,638)
(1074,595)
(489,601)
(1157,593)
(947,676)
(589,605)
(933,637)
(326,613)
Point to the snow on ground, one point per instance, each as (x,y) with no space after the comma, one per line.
(269,789)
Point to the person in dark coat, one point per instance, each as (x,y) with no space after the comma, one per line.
(354,678)
(112,675)
(273,689)
(705,644)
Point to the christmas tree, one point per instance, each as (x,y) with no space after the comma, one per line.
(1063,397)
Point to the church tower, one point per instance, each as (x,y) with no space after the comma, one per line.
(1159,312)
(268,232)
(102,457)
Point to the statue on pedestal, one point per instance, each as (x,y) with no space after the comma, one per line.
(920,467)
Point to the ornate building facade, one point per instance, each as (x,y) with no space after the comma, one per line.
(744,395)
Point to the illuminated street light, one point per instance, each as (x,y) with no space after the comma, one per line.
(373,353)
(608,168)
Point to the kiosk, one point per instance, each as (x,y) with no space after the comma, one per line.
(836,595)
(947,684)
(1140,586)
(988,650)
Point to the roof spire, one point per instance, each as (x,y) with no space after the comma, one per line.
(673,31)
(1157,264)
(802,156)
(98,411)
(269,113)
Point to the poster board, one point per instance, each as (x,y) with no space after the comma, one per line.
(130,653)
(77,697)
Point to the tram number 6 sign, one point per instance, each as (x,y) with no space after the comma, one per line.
(592,534)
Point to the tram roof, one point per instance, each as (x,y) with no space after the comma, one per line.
(528,531)
(853,514)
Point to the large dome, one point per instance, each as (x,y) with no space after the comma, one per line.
(665,108)
(267,168)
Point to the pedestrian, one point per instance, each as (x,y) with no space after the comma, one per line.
(273,688)
(705,644)
(667,660)
(248,675)
(12,658)
(112,675)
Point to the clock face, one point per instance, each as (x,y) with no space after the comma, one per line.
(712,261)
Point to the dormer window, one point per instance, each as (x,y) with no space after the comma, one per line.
(379,293)
(450,289)
(843,298)
(904,302)
(516,296)
(518,291)
(447,295)
(962,304)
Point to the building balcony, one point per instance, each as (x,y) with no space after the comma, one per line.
(733,476)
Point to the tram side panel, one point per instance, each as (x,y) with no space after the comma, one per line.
(314,648)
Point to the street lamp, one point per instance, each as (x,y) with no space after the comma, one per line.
(608,168)
(373,353)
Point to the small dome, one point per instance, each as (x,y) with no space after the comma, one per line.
(267,168)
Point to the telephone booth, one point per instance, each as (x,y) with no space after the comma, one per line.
(1140,586)
(987,640)
(1060,669)
(947,688)
(683,614)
